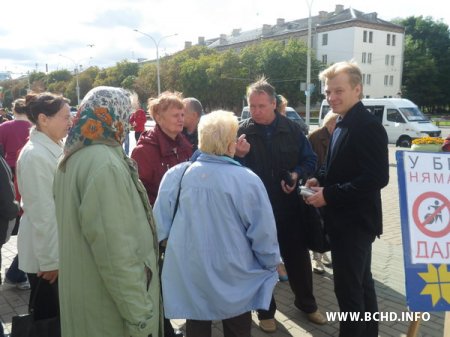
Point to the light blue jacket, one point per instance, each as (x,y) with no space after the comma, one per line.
(222,248)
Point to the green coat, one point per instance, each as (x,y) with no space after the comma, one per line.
(106,246)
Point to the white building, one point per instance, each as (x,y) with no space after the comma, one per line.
(345,34)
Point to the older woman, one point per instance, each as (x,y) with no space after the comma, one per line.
(37,241)
(163,147)
(221,258)
(108,272)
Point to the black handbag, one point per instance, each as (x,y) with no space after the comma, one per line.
(27,326)
(316,237)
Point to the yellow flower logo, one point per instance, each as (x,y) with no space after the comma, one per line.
(92,129)
(437,283)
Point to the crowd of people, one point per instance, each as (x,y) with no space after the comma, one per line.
(199,221)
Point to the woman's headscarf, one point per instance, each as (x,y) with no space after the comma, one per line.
(102,118)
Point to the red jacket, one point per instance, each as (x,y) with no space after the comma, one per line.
(138,119)
(155,153)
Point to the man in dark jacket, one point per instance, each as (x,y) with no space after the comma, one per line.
(356,169)
(275,149)
(193,110)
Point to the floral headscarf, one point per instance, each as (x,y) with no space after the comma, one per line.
(101,119)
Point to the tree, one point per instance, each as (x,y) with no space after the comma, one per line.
(427,62)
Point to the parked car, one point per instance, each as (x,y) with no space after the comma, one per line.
(401,118)
(290,113)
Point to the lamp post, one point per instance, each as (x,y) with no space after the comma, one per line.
(157,54)
(308,67)
(76,76)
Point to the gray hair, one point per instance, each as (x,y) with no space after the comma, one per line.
(194,105)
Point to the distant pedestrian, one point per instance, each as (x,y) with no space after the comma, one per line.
(356,169)
(13,136)
(221,258)
(282,103)
(14,133)
(137,121)
(5,115)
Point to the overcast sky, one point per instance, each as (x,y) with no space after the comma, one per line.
(34,34)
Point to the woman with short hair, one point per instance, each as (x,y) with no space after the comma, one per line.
(221,258)
(164,146)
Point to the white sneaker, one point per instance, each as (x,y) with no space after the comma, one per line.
(19,285)
(318,267)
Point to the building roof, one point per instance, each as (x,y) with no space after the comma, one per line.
(321,21)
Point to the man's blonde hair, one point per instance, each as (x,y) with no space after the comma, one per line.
(216,131)
(351,68)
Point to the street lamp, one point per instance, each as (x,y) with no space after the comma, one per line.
(308,66)
(76,76)
(157,54)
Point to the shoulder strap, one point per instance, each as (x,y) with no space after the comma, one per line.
(179,192)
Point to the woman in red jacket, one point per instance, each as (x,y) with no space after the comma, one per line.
(161,148)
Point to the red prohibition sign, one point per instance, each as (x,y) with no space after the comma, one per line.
(422,223)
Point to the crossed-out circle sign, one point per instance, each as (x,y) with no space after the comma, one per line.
(421,224)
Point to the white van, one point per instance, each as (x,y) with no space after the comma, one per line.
(401,118)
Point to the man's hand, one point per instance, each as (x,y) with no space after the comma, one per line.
(50,275)
(242,146)
(289,188)
(317,199)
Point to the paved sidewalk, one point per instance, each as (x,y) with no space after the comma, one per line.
(387,270)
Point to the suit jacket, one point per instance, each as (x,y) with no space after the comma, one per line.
(356,170)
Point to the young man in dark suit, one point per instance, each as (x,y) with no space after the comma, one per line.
(355,171)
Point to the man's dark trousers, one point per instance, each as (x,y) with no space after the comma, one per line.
(354,286)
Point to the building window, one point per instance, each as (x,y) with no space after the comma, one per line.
(324,59)
(386,79)
(388,39)
(386,60)
(369,58)
(324,39)
(370,37)
(393,39)
(368,79)
(363,59)
(363,78)
(392,60)
(365,36)
(391,80)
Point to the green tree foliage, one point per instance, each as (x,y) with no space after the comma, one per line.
(145,83)
(427,63)
(114,76)
(59,76)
